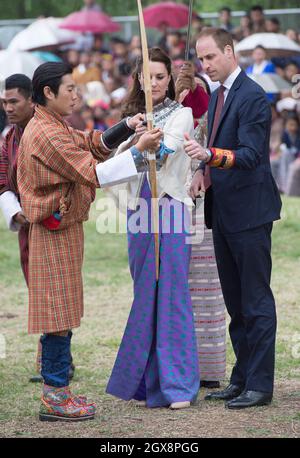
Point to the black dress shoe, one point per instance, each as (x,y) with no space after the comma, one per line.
(250,399)
(209,384)
(230,392)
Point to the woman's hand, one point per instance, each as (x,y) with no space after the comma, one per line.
(149,140)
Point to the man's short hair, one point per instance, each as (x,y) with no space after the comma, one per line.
(225,8)
(260,47)
(48,74)
(20,82)
(257,8)
(221,36)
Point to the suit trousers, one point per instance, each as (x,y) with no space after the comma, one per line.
(244,265)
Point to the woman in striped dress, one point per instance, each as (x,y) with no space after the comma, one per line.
(205,288)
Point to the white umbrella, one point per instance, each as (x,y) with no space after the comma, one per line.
(41,34)
(17,62)
(271,82)
(7,32)
(276,44)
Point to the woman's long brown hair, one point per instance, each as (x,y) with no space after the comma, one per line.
(135,102)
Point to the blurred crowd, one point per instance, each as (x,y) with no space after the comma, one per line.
(103,68)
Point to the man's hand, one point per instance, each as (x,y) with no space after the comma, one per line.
(20,219)
(135,120)
(197,184)
(149,140)
(140,129)
(194,150)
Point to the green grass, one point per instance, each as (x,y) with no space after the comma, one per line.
(108,296)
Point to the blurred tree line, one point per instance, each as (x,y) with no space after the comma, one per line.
(17,9)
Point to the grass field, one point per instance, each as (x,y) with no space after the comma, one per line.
(108,295)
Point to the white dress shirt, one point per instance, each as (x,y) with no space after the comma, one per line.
(230,80)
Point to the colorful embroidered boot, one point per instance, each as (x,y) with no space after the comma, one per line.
(58,404)
(78,399)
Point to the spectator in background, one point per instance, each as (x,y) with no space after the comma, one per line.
(292,35)
(244,29)
(100,111)
(86,71)
(272,25)
(108,67)
(76,119)
(98,44)
(73,57)
(175,44)
(88,117)
(225,19)
(134,48)
(289,148)
(120,52)
(276,134)
(257,19)
(91,5)
(261,63)
(2,120)
(162,42)
(197,24)
(290,70)
(289,74)
(284,109)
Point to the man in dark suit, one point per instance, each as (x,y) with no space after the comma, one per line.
(241,203)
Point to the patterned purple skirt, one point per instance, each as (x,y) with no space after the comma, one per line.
(157,359)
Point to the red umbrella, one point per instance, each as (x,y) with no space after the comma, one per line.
(89,21)
(175,15)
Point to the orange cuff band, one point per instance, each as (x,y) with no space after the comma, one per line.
(222,158)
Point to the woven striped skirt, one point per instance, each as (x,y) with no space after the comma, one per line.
(208,303)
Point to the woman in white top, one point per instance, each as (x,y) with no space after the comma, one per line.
(157,361)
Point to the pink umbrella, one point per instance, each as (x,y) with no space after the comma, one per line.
(89,21)
(175,15)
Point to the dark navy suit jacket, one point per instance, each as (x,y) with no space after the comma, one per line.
(245,196)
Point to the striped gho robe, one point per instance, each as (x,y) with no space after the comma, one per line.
(56,170)
(8,182)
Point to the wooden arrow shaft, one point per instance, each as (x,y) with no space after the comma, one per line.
(149,118)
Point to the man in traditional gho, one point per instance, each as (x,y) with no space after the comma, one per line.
(59,169)
(18,106)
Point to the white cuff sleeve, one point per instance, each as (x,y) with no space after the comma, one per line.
(118,169)
(10,207)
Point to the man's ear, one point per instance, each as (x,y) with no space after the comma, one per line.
(48,93)
(31,102)
(228,51)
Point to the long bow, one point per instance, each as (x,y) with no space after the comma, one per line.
(149,118)
(188,36)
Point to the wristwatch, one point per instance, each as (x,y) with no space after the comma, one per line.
(209,155)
